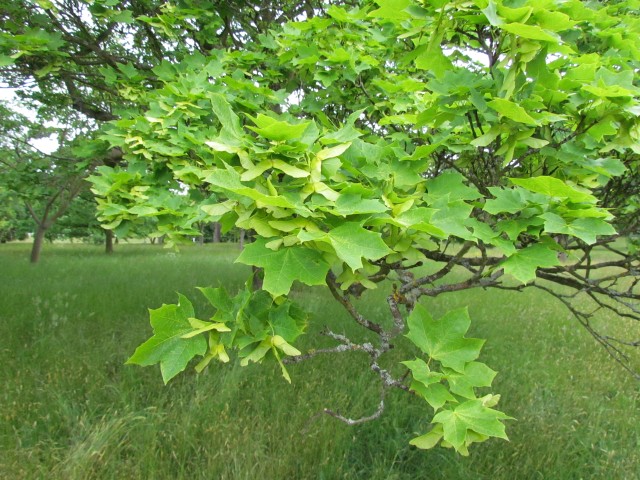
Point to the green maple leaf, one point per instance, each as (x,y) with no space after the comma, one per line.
(524,263)
(282,267)
(450,217)
(554,187)
(352,242)
(419,218)
(277,130)
(421,372)
(228,179)
(218,297)
(435,394)
(533,32)
(288,321)
(429,439)
(167,346)
(353,204)
(426,383)
(391,9)
(588,228)
(470,416)
(444,339)
(509,200)
(475,374)
(451,183)
(511,110)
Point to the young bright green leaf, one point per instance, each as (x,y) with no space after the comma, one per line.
(277,130)
(429,439)
(490,400)
(230,121)
(420,372)
(554,21)
(219,146)
(281,344)
(420,219)
(167,345)
(391,9)
(216,350)
(436,394)
(476,374)
(332,152)
(524,263)
(532,32)
(290,170)
(487,138)
(512,111)
(205,327)
(554,187)
(228,179)
(282,267)
(283,369)
(471,415)
(444,339)
(354,204)
(258,353)
(256,170)
(491,12)
(218,209)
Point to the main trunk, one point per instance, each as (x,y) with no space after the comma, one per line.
(216,232)
(108,241)
(38,239)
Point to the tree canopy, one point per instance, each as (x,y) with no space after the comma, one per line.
(403,147)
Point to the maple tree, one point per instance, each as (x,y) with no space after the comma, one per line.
(411,148)
(43,184)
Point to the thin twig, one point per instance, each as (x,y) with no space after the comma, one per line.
(350,421)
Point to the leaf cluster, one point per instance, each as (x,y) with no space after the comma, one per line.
(250,323)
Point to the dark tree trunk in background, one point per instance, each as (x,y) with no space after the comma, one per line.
(258,278)
(38,239)
(242,235)
(108,241)
(217,232)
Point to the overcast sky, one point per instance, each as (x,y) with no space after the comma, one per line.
(46,145)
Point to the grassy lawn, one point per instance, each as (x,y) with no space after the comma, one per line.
(70,408)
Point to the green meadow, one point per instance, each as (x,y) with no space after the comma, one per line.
(71,409)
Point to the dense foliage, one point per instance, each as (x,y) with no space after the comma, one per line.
(411,148)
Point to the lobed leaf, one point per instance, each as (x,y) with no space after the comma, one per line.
(284,266)
(168,346)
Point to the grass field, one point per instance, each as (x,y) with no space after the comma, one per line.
(70,408)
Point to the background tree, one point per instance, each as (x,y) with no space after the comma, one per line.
(14,218)
(46,184)
(409,149)
(79,222)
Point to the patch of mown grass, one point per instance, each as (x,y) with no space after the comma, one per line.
(70,408)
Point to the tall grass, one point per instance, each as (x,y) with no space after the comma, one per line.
(70,408)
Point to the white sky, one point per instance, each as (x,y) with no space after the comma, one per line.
(46,145)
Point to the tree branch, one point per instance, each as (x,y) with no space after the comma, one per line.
(348,306)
